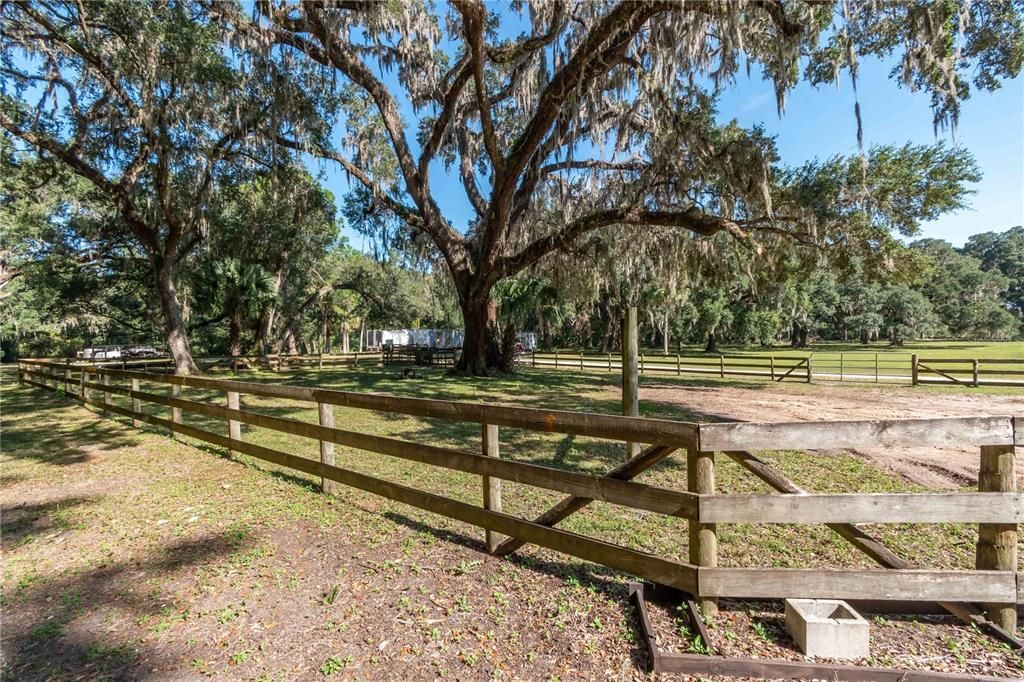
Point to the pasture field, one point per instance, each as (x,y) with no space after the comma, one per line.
(131,554)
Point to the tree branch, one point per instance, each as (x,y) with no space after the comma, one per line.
(692,219)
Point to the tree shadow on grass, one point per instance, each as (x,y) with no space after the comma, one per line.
(46,635)
(76,442)
(20,522)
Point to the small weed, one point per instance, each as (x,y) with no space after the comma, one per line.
(763,632)
(332,594)
(467,567)
(239,657)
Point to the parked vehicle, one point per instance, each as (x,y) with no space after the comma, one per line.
(100,353)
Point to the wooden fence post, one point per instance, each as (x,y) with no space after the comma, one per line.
(492,485)
(876,368)
(176,411)
(108,397)
(234,427)
(630,381)
(641,363)
(841,366)
(810,367)
(581,360)
(771,359)
(326,448)
(679,368)
(997,542)
(556,358)
(976,363)
(320,359)
(609,362)
(136,404)
(721,366)
(913,368)
(83,392)
(67,379)
(700,478)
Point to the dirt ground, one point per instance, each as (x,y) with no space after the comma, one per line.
(129,555)
(931,467)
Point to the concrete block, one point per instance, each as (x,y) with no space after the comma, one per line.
(827,628)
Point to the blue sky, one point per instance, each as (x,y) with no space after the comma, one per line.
(819,122)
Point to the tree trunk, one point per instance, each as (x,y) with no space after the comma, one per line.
(175,331)
(480,342)
(362,333)
(235,336)
(664,333)
(345,345)
(712,345)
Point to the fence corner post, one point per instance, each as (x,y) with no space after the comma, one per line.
(491,485)
(700,478)
(234,426)
(326,448)
(136,404)
(913,368)
(997,542)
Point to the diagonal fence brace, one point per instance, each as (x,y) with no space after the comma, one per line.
(629,469)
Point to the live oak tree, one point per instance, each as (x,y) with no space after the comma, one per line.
(141,100)
(592,116)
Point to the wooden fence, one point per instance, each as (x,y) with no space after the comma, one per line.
(996,507)
(854,367)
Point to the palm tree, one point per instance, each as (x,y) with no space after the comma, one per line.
(243,289)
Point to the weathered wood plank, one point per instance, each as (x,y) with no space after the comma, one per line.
(843,583)
(864,508)
(997,542)
(639,429)
(626,493)
(829,435)
(703,538)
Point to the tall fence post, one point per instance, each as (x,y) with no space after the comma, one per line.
(83,392)
(67,379)
(700,478)
(771,359)
(234,426)
(492,485)
(630,381)
(913,369)
(810,367)
(975,366)
(176,411)
(842,366)
(721,366)
(997,542)
(108,397)
(326,448)
(136,404)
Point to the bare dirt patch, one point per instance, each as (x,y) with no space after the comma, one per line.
(931,467)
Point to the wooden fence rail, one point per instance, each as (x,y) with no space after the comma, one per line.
(997,508)
(864,367)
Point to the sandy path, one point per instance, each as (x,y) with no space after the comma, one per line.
(928,466)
